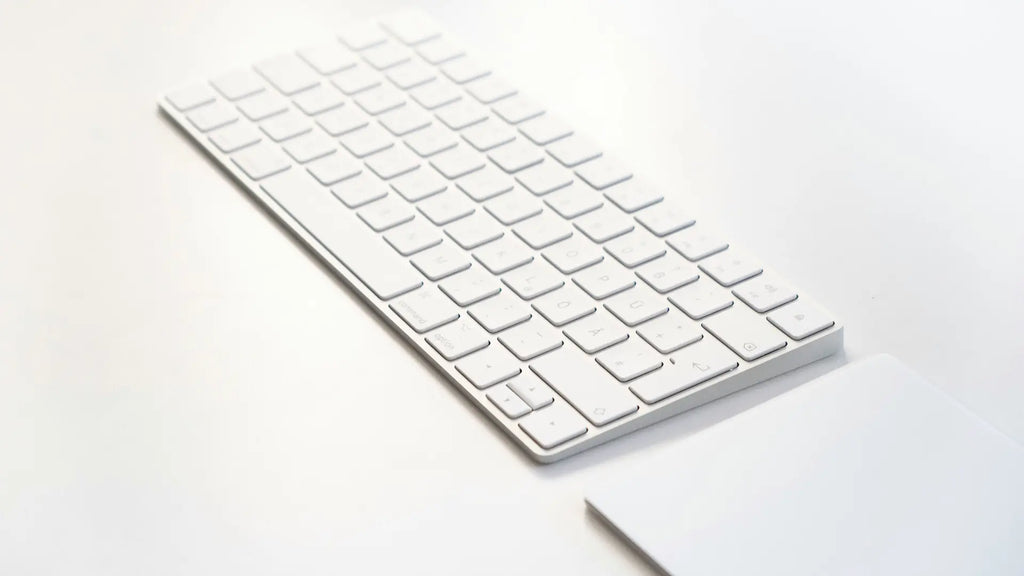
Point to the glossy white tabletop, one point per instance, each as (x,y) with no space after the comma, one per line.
(184,391)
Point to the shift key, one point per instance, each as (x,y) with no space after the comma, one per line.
(585,385)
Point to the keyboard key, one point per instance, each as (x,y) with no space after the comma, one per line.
(439,50)
(635,248)
(461,114)
(531,339)
(485,183)
(393,162)
(284,126)
(603,172)
(260,161)
(564,305)
(457,162)
(700,299)
(489,89)
(424,310)
(458,339)
(573,255)
(318,99)
(359,190)
(500,312)
(238,84)
(800,320)
(730,267)
(212,116)
(667,273)
(585,385)
(690,366)
(262,105)
(517,109)
(441,261)
(189,97)
(515,156)
(446,207)
(663,219)
(234,137)
(513,207)
(404,120)
(369,259)
(288,73)
(463,70)
(431,140)
(419,184)
(542,230)
(670,332)
(544,178)
(573,201)
(694,244)
(476,230)
(554,425)
(746,333)
(433,95)
(355,80)
(637,306)
(469,287)
(310,146)
(633,195)
(502,255)
(545,129)
(385,214)
(380,99)
(362,35)
(386,55)
(602,224)
(411,26)
(411,75)
(368,140)
(342,120)
(488,134)
(764,293)
(604,280)
(574,150)
(413,237)
(630,360)
(532,390)
(328,58)
(506,400)
(533,280)
(596,332)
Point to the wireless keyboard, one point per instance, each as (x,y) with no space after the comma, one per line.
(567,298)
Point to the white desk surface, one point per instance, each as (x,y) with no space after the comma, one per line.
(184,391)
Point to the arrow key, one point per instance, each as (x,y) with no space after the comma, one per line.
(534,392)
(510,404)
(488,367)
(554,425)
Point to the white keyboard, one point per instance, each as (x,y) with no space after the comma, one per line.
(566,297)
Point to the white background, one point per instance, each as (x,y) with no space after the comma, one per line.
(184,391)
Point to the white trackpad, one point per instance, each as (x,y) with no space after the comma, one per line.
(867,470)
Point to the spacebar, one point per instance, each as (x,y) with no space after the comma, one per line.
(383,271)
